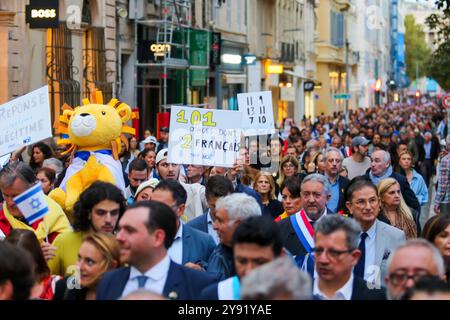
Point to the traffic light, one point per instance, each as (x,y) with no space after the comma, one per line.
(392,85)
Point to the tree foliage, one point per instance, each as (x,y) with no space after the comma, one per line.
(417,52)
(439,64)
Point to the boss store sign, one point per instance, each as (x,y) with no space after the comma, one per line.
(42,14)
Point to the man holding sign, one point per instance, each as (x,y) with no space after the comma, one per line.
(26,207)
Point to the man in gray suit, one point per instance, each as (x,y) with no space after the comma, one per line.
(378,239)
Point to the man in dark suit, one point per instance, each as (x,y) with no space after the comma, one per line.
(333,165)
(190,246)
(336,253)
(314,196)
(216,187)
(380,168)
(431,149)
(146,232)
(256,241)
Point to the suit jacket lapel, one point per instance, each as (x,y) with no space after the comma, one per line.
(120,283)
(379,242)
(186,238)
(174,278)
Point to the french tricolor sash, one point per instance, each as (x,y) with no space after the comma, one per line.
(304,230)
(229,289)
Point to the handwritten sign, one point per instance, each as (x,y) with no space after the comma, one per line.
(257,113)
(25,120)
(204,136)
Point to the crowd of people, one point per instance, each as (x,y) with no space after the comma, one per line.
(323,209)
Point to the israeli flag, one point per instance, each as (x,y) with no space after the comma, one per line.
(32,204)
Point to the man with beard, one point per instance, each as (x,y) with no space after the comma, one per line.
(137,173)
(297,231)
(358,163)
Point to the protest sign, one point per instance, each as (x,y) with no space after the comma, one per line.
(25,120)
(204,136)
(257,113)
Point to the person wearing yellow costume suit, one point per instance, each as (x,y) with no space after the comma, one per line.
(93,134)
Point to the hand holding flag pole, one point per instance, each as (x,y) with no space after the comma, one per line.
(33,206)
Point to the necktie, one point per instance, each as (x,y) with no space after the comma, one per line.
(141,281)
(359,268)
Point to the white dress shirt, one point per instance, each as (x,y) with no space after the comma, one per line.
(157,276)
(370,251)
(211,231)
(176,249)
(344,293)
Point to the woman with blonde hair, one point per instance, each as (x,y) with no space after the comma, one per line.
(98,254)
(265,186)
(289,167)
(394,209)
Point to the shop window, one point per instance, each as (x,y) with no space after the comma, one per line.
(60,70)
(95,72)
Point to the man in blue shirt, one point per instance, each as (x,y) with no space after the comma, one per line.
(333,165)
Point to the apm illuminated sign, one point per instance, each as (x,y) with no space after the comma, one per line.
(42,14)
(160,50)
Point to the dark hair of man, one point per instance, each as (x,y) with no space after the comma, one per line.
(292,184)
(218,186)
(160,216)
(96,193)
(137,165)
(434,226)
(16,170)
(429,285)
(357,184)
(261,231)
(178,192)
(26,239)
(45,149)
(16,266)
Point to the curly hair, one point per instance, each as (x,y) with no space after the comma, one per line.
(45,149)
(93,195)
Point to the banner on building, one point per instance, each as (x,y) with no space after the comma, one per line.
(257,113)
(25,120)
(204,136)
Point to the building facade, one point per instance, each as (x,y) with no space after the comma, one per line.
(73,57)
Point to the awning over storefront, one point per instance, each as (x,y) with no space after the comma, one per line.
(297,75)
(230,78)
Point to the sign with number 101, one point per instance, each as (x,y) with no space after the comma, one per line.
(204,136)
(257,113)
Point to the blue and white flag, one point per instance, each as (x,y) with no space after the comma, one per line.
(32,204)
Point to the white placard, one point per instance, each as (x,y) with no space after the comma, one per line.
(257,113)
(204,136)
(25,120)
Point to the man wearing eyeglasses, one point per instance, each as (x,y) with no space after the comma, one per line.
(335,254)
(377,239)
(411,261)
(333,166)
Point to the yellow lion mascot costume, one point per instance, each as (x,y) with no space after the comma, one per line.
(93,134)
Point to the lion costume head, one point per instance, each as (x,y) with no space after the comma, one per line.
(93,134)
